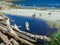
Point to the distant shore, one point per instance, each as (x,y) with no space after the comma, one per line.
(43,14)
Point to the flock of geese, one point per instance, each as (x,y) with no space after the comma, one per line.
(16,27)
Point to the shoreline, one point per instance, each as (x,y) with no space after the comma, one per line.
(42,14)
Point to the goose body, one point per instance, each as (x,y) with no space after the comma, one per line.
(8,21)
(16,27)
(27,25)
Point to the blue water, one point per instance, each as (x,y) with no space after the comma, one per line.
(37,26)
(40,3)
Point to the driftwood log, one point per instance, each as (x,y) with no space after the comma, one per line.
(35,37)
(14,35)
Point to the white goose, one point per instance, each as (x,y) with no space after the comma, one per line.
(27,25)
(8,21)
(16,27)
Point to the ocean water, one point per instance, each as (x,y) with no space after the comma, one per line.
(40,3)
(37,26)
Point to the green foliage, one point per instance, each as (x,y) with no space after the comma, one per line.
(55,39)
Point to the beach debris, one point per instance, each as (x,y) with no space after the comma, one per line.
(27,25)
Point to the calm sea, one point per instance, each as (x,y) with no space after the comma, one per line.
(40,3)
(37,26)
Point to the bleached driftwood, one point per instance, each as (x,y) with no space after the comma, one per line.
(2,44)
(26,37)
(13,41)
(4,37)
(20,35)
(36,37)
(14,36)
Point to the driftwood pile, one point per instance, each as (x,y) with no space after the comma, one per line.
(11,35)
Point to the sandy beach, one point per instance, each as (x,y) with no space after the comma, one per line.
(42,14)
